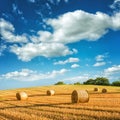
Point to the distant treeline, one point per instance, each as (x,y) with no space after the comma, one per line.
(97,81)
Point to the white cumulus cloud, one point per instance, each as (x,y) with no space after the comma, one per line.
(100,58)
(79,78)
(97,64)
(80,25)
(7,32)
(112,70)
(68,28)
(69,60)
(30,50)
(75,66)
(30,75)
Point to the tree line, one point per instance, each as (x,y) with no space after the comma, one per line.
(97,81)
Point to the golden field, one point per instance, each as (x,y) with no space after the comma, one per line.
(39,106)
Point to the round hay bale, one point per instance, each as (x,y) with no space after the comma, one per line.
(96,89)
(79,96)
(104,90)
(50,92)
(21,96)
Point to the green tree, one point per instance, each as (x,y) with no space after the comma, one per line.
(77,83)
(60,83)
(89,82)
(101,81)
(97,81)
(116,83)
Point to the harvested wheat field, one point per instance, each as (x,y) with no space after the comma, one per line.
(39,106)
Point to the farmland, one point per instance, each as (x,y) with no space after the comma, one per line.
(39,106)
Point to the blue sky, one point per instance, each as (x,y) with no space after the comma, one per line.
(46,41)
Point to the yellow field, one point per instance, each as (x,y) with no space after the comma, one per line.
(39,106)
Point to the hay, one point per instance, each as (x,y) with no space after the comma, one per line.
(21,96)
(79,96)
(96,89)
(104,90)
(50,92)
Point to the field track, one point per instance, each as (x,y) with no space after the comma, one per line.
(39,106)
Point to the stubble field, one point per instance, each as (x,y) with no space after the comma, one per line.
(39,106)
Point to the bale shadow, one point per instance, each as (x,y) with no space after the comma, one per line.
(104,93)
(7,100)
(37,95)
(35,105)
(56,94)
(62,94)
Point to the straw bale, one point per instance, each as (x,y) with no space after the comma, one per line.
(79,96)
(50,92)
(21,96)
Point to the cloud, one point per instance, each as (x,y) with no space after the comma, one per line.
(16,10)
(83,29)
(51,1)
(30,50)
(56,2)
(116,5)
(75,66)
(116,21)
(7,33)
(42,36)
(79,78)
(32,1)
(70,60)
(61,72)
(48,6)
(64,32)
(100,57)
(66,1)
(14,6)
(30,75)
(53,44)
(100,60)
(112,70)
(97,64)
(2,48)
